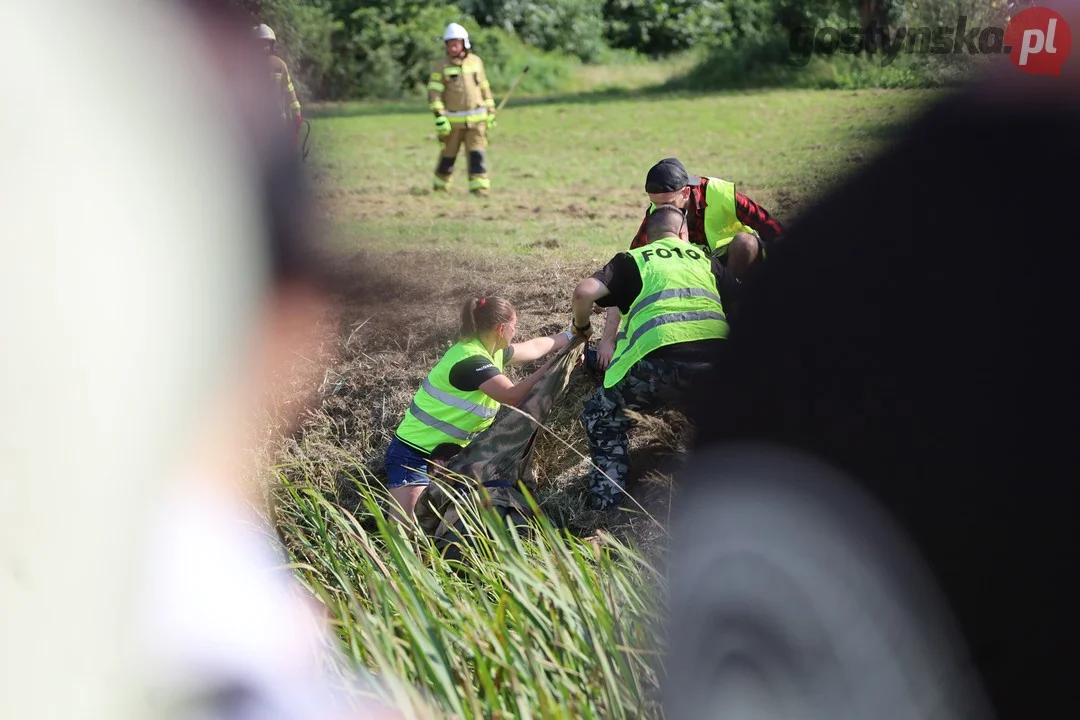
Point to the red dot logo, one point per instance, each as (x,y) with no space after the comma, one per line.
(1038,41)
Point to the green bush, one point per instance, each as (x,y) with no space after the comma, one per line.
(506,55)
(357,49)
(569,27)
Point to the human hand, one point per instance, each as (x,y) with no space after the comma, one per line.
(442,125)
(605,350)
(584,331)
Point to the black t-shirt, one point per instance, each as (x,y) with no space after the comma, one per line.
(623,281)
(469,374)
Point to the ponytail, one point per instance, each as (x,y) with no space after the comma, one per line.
(468,320)
(482,314)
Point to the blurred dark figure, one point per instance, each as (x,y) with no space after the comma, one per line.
(914,335)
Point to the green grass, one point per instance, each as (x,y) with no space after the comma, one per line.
(548,626)
(559,627)
(572,171)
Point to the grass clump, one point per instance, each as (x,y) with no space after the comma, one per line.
(537,624)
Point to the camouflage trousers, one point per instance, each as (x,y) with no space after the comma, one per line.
(649,386)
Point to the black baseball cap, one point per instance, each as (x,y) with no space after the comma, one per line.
(669,175)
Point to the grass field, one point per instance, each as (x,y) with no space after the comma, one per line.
(569,175)
(565,627)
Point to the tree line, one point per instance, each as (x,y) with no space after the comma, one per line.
(357,49)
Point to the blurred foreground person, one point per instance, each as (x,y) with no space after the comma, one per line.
(159,278)
(882,522)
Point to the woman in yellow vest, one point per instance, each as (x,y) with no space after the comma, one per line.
(461,395)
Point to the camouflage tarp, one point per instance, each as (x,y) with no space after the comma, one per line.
(501,457)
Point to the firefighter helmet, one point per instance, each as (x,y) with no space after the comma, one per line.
(456,32)
(263,32)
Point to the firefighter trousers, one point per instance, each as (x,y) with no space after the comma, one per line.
(474,137)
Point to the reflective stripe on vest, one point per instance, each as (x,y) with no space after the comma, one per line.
(466,116)
(721,219)
(440,413)
(679,302)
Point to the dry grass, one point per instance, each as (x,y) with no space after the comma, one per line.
(390,339)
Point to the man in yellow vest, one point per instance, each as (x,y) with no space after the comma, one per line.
(285,91)
(719,219)
(671,296)
(460,96)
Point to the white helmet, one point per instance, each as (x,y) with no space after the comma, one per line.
(456,32)
(263,32)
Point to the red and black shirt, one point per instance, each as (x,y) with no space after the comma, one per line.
(747,211)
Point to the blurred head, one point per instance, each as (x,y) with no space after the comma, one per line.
(666,221)
(668,183)
(492,320)
(455,48)
(265,38)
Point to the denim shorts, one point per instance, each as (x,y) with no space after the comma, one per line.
(404,465)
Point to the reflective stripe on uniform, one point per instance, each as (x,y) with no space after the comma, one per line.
(460,404)
(671,318)
(671,293)
(439,425)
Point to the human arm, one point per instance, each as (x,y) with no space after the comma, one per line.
(613,286)
(505,391)
(485,92)
(754,216)
(605,349)
(537,348)
(435,100)
(289,99)
(587,292)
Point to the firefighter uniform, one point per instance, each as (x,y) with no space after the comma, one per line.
(286,93)
(459,91)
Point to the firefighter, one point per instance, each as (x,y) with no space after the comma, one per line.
(288,103)
(460,97)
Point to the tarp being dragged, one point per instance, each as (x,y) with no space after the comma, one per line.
(502,456)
